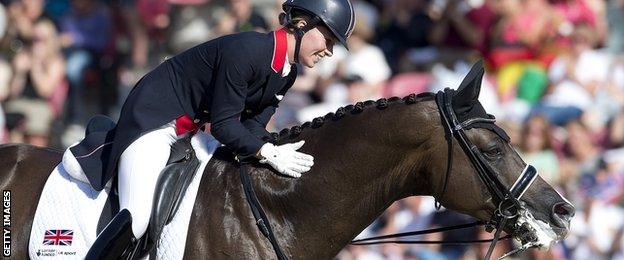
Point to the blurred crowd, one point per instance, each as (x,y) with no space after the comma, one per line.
(554,80)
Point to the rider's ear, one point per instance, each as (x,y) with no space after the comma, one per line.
(468,91)
(301,23)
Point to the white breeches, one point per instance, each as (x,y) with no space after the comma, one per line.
(139,168)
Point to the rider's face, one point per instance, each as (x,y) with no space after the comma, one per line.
(316,44)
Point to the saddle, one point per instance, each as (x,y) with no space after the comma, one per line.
(170,189)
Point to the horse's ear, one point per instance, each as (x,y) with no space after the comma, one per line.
(468,92)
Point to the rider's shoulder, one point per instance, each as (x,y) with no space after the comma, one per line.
(252,47)
(247,41)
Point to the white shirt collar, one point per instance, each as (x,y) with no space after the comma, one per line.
(286,68)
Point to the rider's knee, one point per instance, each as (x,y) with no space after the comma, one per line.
(140,220)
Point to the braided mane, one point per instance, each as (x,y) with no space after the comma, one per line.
(352,109)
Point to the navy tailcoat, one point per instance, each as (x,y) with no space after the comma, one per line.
(233,82)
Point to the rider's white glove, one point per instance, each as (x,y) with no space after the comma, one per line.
(285,158)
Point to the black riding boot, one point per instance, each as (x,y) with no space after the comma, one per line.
(116,241)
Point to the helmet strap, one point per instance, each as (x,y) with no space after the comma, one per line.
(298,36)
(299,32)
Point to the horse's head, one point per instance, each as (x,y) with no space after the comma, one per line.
(488,179)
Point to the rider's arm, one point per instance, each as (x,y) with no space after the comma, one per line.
(257,124)
(229,96)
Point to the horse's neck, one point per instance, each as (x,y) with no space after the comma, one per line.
(359,171)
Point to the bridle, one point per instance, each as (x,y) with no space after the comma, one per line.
(507,200)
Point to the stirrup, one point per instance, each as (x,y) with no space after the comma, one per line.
(116,241)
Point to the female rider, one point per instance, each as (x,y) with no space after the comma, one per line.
(234,82)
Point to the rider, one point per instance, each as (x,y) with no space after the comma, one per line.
(235,82)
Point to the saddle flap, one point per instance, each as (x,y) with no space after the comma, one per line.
(170,189)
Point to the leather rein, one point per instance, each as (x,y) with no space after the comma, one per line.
(507,200)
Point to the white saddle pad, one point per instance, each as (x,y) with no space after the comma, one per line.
(65,223)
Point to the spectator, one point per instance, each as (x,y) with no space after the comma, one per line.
(581,152)
(344,66)
(145,31)
(5,73)
(23,14)
(193,22)
(55,9)
(594,230)
(38,72)
(5,78)
(459,29)
(367,11)
(536,148)
(570,14)
(359,253)
(148,22)
(350,90)
(362,52)
(574,77)
(406,26)
(616,131)
(85,33)
(480,249)
(447,218)
(615,22)
(523,27)
(243,17)
(343,80)
(3,21)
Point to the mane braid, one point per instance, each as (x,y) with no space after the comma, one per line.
(357,108)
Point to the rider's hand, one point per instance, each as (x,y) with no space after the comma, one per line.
(285,158)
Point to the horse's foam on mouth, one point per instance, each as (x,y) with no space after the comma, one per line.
(534,231)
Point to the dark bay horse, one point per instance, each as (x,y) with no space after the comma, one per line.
(366,157)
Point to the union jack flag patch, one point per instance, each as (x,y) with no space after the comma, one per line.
(58,237)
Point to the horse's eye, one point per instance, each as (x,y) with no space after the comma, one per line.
(493,153)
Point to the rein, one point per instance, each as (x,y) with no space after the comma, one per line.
(508,200)
(371,240)
(261,219)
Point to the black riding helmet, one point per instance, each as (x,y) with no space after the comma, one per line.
(337,15)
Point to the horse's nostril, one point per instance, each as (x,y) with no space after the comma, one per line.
(563,210)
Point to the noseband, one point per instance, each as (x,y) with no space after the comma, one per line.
(507,200)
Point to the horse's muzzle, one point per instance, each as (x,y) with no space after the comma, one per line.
(561,215)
